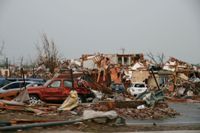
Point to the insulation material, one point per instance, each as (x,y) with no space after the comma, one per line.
(71,101)
(137,66)
(90,114)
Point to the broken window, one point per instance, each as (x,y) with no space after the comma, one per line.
(139,85)
(55,84)
(119,60)
(125,60)
(67,84)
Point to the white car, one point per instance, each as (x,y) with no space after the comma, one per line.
(137,88)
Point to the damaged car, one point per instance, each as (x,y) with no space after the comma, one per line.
(58,89)
(12,89)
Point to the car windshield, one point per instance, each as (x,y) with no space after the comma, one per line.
(139,85)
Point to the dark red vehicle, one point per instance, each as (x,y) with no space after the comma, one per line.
(58,89)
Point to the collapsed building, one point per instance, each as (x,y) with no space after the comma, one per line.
(111,72)
(134,68)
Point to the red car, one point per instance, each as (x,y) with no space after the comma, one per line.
(58,89)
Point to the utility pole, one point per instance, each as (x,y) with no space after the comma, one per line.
(7,71)
(21,61)
(175,74)
(6,62)
(123,50)
(72,78)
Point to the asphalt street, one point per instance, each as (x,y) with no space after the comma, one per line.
(189,115)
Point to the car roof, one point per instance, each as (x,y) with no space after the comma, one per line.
(17,82)
(22,82)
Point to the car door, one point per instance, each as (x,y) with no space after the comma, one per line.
(10,91)
(67,87)
(53,91)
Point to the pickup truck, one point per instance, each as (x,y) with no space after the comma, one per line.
(58,89)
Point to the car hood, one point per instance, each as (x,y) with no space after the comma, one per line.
(1,90)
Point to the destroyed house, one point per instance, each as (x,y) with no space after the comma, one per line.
(91,60)
(124,59)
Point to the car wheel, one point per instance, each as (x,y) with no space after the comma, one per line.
(34,99)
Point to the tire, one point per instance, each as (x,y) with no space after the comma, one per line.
(34,99)
(81,99)
(91,97)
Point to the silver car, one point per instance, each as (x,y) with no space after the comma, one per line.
(15,86)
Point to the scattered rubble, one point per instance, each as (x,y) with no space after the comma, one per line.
(107,77)
(161,110)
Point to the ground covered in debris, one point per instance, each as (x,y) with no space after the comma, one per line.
(45,113)
(161,110)
(48,113)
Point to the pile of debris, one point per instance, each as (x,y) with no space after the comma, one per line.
(109,81)
(160,111)
(100,112)
(142,112)
(152,107)
(126,109)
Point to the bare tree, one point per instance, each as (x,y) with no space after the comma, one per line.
(47,53)
(3,61)
(2,48)
(158,60)
(161,58)
(152,57)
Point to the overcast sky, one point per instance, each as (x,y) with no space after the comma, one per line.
(90,26)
